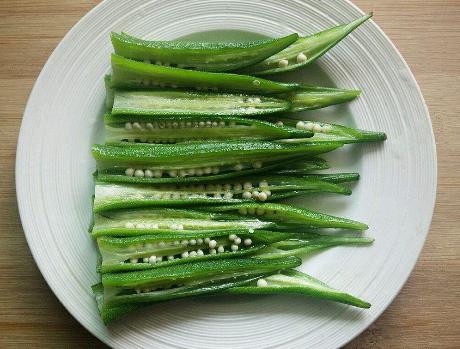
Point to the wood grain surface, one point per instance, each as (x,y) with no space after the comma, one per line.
(424,315)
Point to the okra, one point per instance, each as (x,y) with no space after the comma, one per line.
(305,50)
(199,159)
(313,97)
(160,220)
(118,195)
(216,57)
(294,167)
(283,214)
(151,129)
(295,282)
(158,250)
(131,74)
(332,132)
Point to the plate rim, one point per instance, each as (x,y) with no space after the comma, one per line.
(19,152)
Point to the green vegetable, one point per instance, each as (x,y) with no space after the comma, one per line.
(305,50)
(116,195)
(151,129)
(292,281)
(131,74)
(312,97)
(201,56)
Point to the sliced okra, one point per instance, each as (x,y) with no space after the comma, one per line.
(160,220)
(159,250)
(131,74)
(217,156)
(173,129)
(294,167)
(288,215)
(295,282)
(203,56)
(305,50)
(313,97)
(325,132)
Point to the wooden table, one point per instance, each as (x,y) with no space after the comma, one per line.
(424,315)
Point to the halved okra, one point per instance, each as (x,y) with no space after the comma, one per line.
(313,97)
(173,129)
(204,56)
(200,158)
(305,50)
(159,250)
(160,220)
(120,195)
(283,214)
(296,282)
(331,132)
(130,74)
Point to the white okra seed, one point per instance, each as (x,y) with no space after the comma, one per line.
(129,172)
(148,173)
(262,283)
(192,242)
(222,123)
(215,170)
(172,173)
(184,254)
(238,167)
(309,125)
(152,259)
(232,237)
(212,243)
(207,240)
(247,195)
(212,251)
(159,259)
(255,194)
(199,253)
(237,241)
(149,126)
(279,123)
(170,258)
(139,173)
(263,184)
(257,164)
(133,260)
(128,126)
(327,128)
(199,172)
(247,242)
(157,173)
(220,249)
(317,128)
(300,125)
(283,63)
(227,186)
(260,211)
(207,170)
(228,195)
(262,196)
(234,248)
(243,211)
(237,186)
(247,185)
(137,125)
(301,58)
(251,210)
(129,225)
(199,241)
(145,260)
(192,254)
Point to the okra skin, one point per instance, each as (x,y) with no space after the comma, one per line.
(151,129)
(305,50)
(214,57)
(289,215)
(295,282)
(293,167)
(200,272)
(199,154)
(131,74)
(313,97)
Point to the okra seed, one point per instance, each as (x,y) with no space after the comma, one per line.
(184,242)
(180,227)
(262,283)
(149,246)
(207,170)
(238,167)
(170,258)
(283,63)
(247,185)
(260,211)
(301,58)
(133,260)
(140,225)
(184,254)
(217,196)
(139,173)
(177,242)
(208,123)
(149,126)
(128,126)
(192,254)
(129,225)
(214,124)
(175,196)
(192,242)
(251,230)
(263,184)
(162,244)
(243,211)
(262,196)
(232,237)
(257,164)
(129,172)
(199,172)
(251,210)
(191,172)
(207,240)
(247,242)
(159,259)
(228,195)
(237,186)
(199,241)
(201,123)
(317,128)
(199,253)
(138,290)
(212,243)
(157,173)
(234,248)
(212,251)
(237,241)
(309,125)
(255,194)
(145,260)
(247,195)
(148,173)
(327,128)
(300,125)
(215,170)
(220,249)
(182,173)
(188,124)
(222,123)
(227,187)
(172,173)
(267,192)
(136,125)
(256,82)
(256,100)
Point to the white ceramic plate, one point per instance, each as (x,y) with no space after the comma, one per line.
(395,195)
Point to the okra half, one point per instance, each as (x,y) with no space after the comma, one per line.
(215,57)
(305,50)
